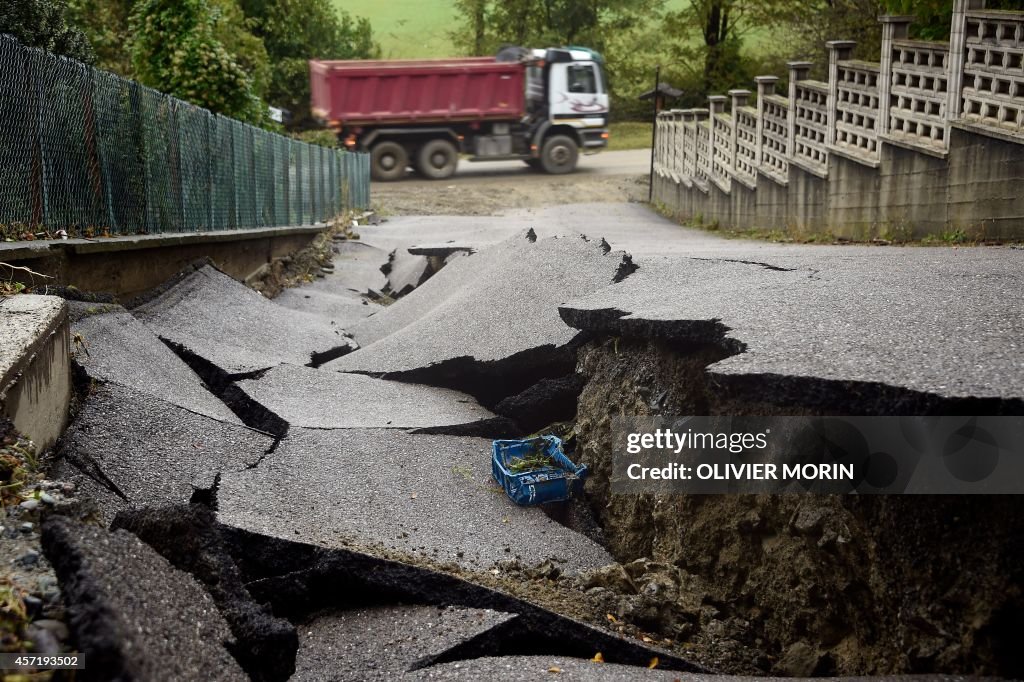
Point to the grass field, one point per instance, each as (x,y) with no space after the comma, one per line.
(410,29)
(407,29)
(629,135)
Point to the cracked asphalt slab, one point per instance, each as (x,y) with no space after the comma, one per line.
(421,495)
(344,310)
(357,269)
(321,399)
(940,321)
(116,347)
(381,643)
(114,586)
(488,306)
(147,451)
(236,328)
(406,271)
(626,226)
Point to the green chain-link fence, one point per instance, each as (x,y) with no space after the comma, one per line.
(86,151)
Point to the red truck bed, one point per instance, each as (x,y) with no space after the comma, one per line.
(416,90)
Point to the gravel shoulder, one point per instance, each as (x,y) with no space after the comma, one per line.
(492,188)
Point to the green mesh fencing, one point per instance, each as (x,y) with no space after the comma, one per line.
(88,152)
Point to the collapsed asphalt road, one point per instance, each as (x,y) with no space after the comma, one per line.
(339,449)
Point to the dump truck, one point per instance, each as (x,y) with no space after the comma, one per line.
(541,106)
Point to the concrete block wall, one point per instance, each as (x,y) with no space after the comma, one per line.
(35,366)
(928,142)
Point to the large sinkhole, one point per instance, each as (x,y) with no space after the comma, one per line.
(795,584)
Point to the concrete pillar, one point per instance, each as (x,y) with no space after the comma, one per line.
(739,100)
(838,50)
(659,140)
(716,106)
(699,115)
(765,87)
(957,58)
(797,72)
(893,28)
(687,167)
(677,127)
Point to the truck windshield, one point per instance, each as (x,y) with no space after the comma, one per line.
(582,78)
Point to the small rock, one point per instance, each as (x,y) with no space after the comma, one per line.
(47,498)
(30,505)
(612,577)
(54,627)
(29,558)
(637,567)
(46,582)
(809,521)
(33,604)
(547,569)
(800,660)
(68,488)
(43,641)
(26,527)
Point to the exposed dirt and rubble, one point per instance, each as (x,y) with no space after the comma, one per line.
(489,195)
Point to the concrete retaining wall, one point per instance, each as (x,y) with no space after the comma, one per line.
(35,366)
(128,266)
(974,189)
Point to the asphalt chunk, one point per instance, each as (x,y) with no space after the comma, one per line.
(133,615)
(316,398)
(405,272)
(116,347)
(830,316)
(357,270)
(423,495)
(491,307)
(380,643)
(235,328)
(187,536)
(344,310)
(147,451)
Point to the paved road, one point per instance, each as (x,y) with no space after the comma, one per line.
(628,162)
(940,320)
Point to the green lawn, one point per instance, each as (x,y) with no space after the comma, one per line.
(417,29)
(629,135)
(407,29)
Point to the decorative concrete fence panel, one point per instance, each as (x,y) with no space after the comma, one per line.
(993,83)
(928,141)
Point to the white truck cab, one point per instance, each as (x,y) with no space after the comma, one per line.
(568,87)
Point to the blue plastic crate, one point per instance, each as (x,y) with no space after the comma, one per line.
(536,486)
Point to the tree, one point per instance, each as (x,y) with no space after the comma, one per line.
(105,24)
(715,60)
(295,31)
(44,24)
(485,25)
(177,48)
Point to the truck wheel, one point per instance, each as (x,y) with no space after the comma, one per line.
(388,161)
(559,154)
(437,159)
